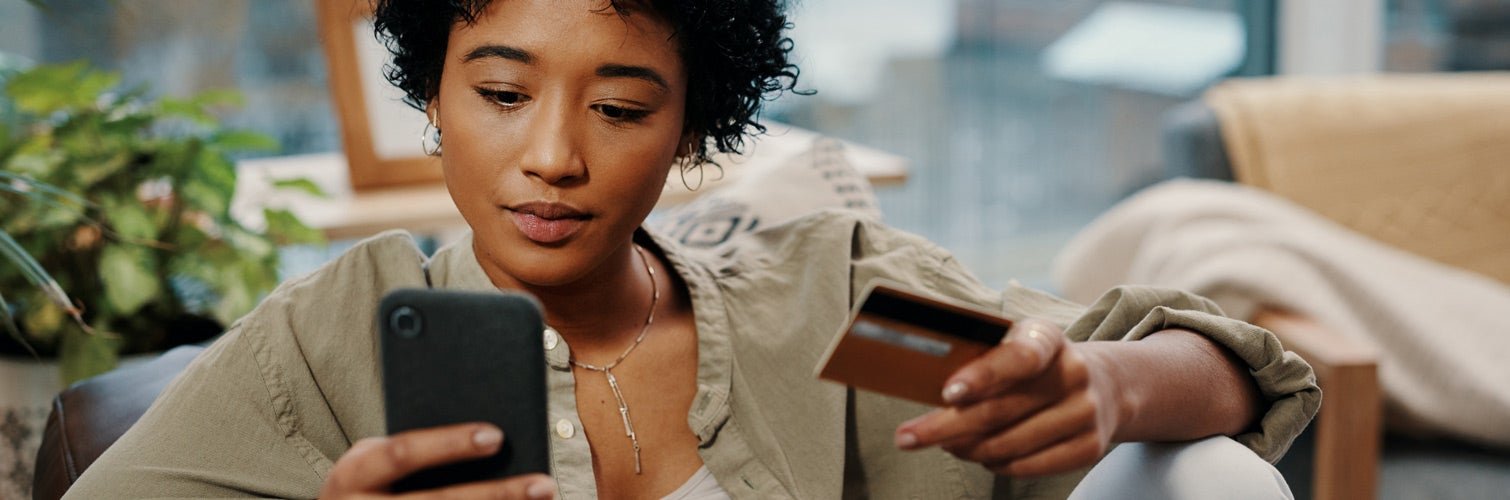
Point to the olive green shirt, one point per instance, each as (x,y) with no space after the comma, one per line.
(268,408)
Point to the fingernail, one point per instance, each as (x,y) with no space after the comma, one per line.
(906,440)
(487,437)
(541,490)
(954,391)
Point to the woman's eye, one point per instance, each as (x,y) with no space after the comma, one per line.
(503,98)
(620,113)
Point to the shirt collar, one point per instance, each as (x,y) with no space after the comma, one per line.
(456,267)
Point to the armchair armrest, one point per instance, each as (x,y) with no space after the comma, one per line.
(1349,425)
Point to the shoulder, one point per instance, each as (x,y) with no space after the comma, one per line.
(324,322)
(379,263)
(327,312)
(316,335)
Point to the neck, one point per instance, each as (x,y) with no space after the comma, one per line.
(606,308)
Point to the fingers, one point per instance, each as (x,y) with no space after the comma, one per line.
(1074,416)
(1027,350)
(1026,407)
(955,423)
(373,464)
(527,486)
(1029,371)
(1076,453)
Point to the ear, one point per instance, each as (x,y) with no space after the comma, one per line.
(432,112)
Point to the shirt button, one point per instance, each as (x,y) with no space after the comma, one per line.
(551,338)
(564,429)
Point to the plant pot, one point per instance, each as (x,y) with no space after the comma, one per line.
(27,387)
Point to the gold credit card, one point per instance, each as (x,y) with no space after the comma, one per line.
(906,345)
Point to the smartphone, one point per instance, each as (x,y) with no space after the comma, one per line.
(452,357)
(906,344)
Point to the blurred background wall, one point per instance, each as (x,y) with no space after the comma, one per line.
(1023,118)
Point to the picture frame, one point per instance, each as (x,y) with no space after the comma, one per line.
(380,135)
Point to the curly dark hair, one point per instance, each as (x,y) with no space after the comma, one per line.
(735,53)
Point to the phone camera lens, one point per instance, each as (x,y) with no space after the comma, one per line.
(405,322)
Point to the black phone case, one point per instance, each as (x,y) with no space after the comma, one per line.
(451,357)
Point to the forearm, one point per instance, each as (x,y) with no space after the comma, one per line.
(1176,385)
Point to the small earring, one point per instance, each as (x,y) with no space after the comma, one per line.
(427,137)
(690,162)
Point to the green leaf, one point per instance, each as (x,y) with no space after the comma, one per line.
(301,184)
(133,221)
(36,157)
(244,140)
(236,299)
(50,88)
(285,228)
(202,197)
(219,97)
(210,185)
(12,251)
(54,218)
(85,355)
(42,192)
(125,271)
(93,170)
(10,326)
(248,245)
(188,238)
(186,109)
(43,321)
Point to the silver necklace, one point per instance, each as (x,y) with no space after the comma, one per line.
(607,370)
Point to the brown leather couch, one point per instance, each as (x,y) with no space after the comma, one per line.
(92,414)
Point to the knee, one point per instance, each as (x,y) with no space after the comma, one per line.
(1215,467)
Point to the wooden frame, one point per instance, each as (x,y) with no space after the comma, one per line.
(1350,424)
(368,167)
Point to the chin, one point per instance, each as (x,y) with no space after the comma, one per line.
(532,264)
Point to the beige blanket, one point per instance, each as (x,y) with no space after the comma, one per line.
(1443,333)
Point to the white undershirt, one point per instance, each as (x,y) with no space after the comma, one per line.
(701,486)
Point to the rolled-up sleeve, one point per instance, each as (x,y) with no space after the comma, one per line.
(1285,381)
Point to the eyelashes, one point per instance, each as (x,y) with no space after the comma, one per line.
(507,100)
(621,114)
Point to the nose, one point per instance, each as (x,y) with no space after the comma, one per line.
(550,151)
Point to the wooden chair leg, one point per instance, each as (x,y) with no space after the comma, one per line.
(1350,425)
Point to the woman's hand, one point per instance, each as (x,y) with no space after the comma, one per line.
(373,464)
(1033,405)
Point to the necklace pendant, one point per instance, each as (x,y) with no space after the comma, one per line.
(637,458)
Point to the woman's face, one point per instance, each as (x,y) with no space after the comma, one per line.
(561,120)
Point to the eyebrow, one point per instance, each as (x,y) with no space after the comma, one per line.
(604,71)
(499,51)
(625,71)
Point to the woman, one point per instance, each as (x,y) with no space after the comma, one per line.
(557,122)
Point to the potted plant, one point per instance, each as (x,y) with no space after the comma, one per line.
(115,235)
(115,219)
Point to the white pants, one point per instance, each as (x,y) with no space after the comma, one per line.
(1215,467)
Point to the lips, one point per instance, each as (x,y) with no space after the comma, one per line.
(547,223)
